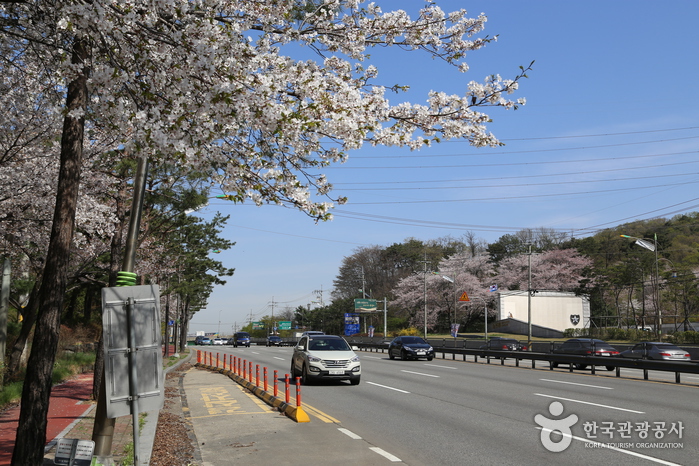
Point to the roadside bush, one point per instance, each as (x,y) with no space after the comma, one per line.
(409,332)
(684,338)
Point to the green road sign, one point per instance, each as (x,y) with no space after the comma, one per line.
(258,325)
(364,305)
(285,325)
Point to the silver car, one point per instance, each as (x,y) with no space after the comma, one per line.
(656,350)
(327,357)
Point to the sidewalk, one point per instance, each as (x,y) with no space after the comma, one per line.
(69,408)
(71,416)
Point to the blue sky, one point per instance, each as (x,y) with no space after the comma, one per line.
(609,135)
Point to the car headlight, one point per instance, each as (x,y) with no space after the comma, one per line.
(355,359)
(429,349)
(409,348)
(312,358)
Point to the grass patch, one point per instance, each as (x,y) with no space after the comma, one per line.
(65,367)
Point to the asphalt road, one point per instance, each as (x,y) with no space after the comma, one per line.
(447,412)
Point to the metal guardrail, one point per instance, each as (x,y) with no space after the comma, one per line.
(645,365)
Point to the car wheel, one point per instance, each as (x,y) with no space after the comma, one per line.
(580,366)
(354,381)
(429,358)
(610,368)
(390,355)
(305,379)
(292,371)
(554,365)
(403,356)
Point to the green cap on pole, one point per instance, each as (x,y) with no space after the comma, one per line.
(126,278)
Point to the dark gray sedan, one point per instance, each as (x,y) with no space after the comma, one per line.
(656,350)
(406,347)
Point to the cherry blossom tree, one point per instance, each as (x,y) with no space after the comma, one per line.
(207,84)
(442,289)
(558,269)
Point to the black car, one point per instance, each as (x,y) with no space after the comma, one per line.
(274,340)
(586,347)
(241,339)
(410,348)
(504,344)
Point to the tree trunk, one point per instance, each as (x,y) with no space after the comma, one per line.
(28,319)
(31,433)
(114,261)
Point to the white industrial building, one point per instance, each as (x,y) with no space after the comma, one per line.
(552,312)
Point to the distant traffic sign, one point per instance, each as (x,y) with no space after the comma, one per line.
(285,325)
(364,305)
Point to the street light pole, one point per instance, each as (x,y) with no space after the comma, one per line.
(643,242)
(529,300)
(453,281)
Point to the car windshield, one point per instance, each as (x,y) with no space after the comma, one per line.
(328,344)
(413,340)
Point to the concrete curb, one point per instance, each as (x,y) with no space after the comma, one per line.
(296,413)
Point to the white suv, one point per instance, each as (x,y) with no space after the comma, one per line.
(325,357)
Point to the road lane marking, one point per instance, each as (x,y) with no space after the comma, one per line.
(579,384)
(380,451)
(349,433)
(611,447)
(281,359)
(442,367)
(385,454)
(420,373)
(591,404)
(326,418)
(386,386)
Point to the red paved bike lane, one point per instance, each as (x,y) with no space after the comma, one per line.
(69,402)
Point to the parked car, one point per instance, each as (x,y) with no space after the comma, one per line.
(504,344)
(656,350)
(274,340)
(241,339)
(586,347)
(218,341)
(330,357)
(410,348)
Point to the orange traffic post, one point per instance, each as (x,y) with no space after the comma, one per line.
(264,371)
(298,391)
(286,387)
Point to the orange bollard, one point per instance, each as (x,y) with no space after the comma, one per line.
(245,367)
(286,387)
(275,383)
(264,371)
(257,375)
(198,357)
(250,371)
(298,391)
(217,359)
